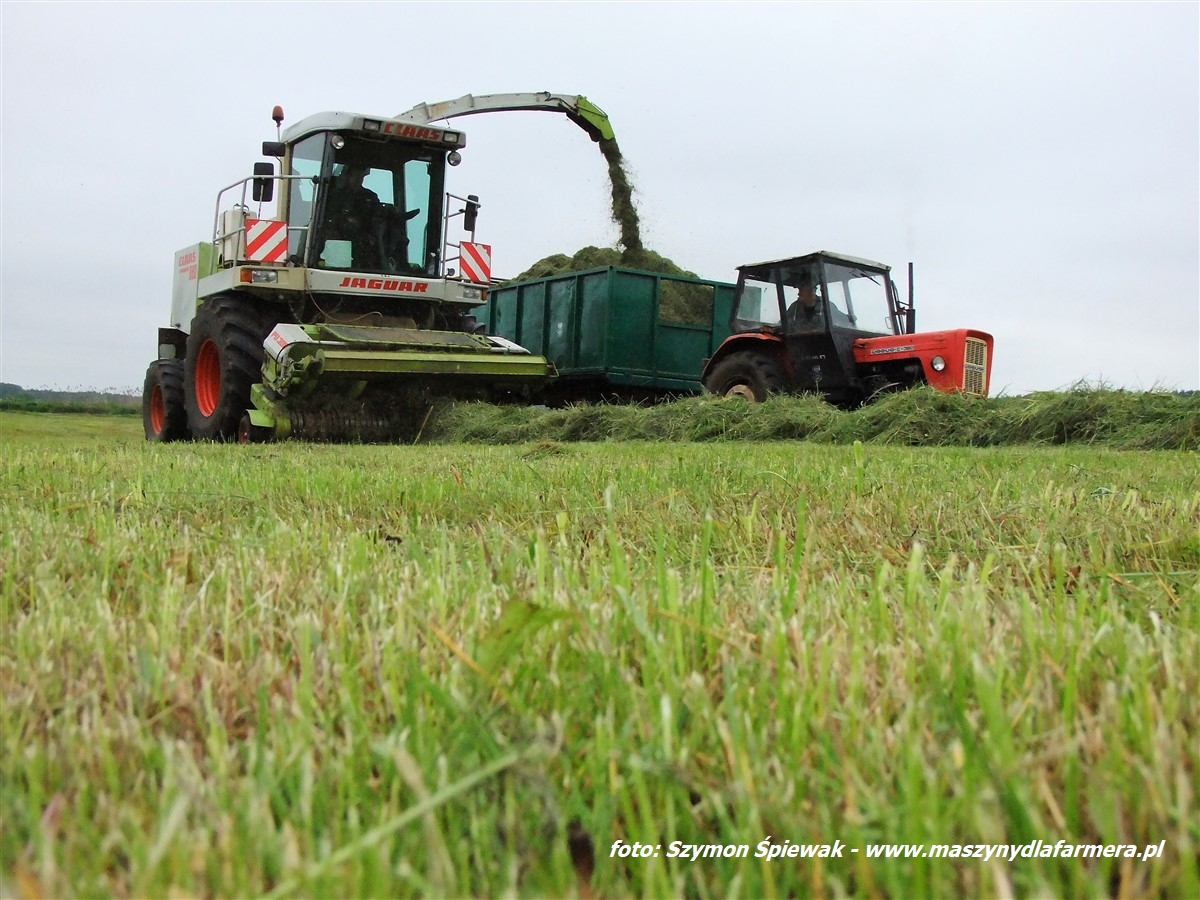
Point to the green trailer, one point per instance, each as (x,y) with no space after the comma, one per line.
(614,332)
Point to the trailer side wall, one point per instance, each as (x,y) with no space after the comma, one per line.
(616,327)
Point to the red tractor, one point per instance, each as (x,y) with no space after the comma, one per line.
(836,326)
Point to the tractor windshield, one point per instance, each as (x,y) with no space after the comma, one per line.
(859,300)
(378,200)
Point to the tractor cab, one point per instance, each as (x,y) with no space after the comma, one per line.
(365,195)
(819,294)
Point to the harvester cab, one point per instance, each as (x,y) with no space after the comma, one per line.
(367,196)
(325,304)
(835,325)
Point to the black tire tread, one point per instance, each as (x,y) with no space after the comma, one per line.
(167,375)
(759,371)
(238,326)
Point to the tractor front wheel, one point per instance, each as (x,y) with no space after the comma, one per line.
(747,376)
(164,417)
(224,358)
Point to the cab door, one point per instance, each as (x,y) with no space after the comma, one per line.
(818,351)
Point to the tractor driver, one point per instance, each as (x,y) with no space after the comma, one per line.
(805,312)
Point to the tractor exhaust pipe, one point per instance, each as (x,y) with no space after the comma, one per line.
(911,314)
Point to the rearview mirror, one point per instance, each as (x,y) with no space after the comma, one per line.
(263,187)
(471,213)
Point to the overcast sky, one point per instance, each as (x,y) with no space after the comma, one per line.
(1039,163)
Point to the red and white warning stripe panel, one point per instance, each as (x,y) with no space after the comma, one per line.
(266,240)
(476,262)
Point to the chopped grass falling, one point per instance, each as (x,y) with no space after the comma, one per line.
(465,671)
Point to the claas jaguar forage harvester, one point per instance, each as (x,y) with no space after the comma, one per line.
(333,301)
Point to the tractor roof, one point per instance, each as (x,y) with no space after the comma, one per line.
(818,254)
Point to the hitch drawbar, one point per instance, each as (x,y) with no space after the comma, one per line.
(385,373)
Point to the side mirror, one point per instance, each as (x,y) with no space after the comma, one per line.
(471,213)
(263,186)
(273,148)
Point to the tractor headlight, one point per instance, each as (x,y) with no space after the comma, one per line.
(938,363)
(470,293)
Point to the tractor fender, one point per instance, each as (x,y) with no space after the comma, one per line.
(754,342)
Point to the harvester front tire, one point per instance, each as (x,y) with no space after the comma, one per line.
(224,358)
(746,376)
(164,417)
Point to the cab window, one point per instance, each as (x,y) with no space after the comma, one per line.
(306,162)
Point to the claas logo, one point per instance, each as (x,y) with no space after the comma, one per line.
(417,132)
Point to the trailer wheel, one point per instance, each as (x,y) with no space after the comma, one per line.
(164,417)
(224,358)
(746,376)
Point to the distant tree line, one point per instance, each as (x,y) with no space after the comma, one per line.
(21,399)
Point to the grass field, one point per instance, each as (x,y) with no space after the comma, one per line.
(465,670)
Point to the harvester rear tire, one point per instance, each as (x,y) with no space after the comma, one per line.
(747,376)
(224,358)
(164,417)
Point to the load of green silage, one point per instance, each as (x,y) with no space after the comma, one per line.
(598,258)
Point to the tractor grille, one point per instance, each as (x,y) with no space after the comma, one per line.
(975,367)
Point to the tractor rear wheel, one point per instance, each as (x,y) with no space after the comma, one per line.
(224,358)
(747,376)
(164,417)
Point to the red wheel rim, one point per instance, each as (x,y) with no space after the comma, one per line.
(208,378)
(158,410)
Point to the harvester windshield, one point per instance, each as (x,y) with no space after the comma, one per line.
(365,204)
